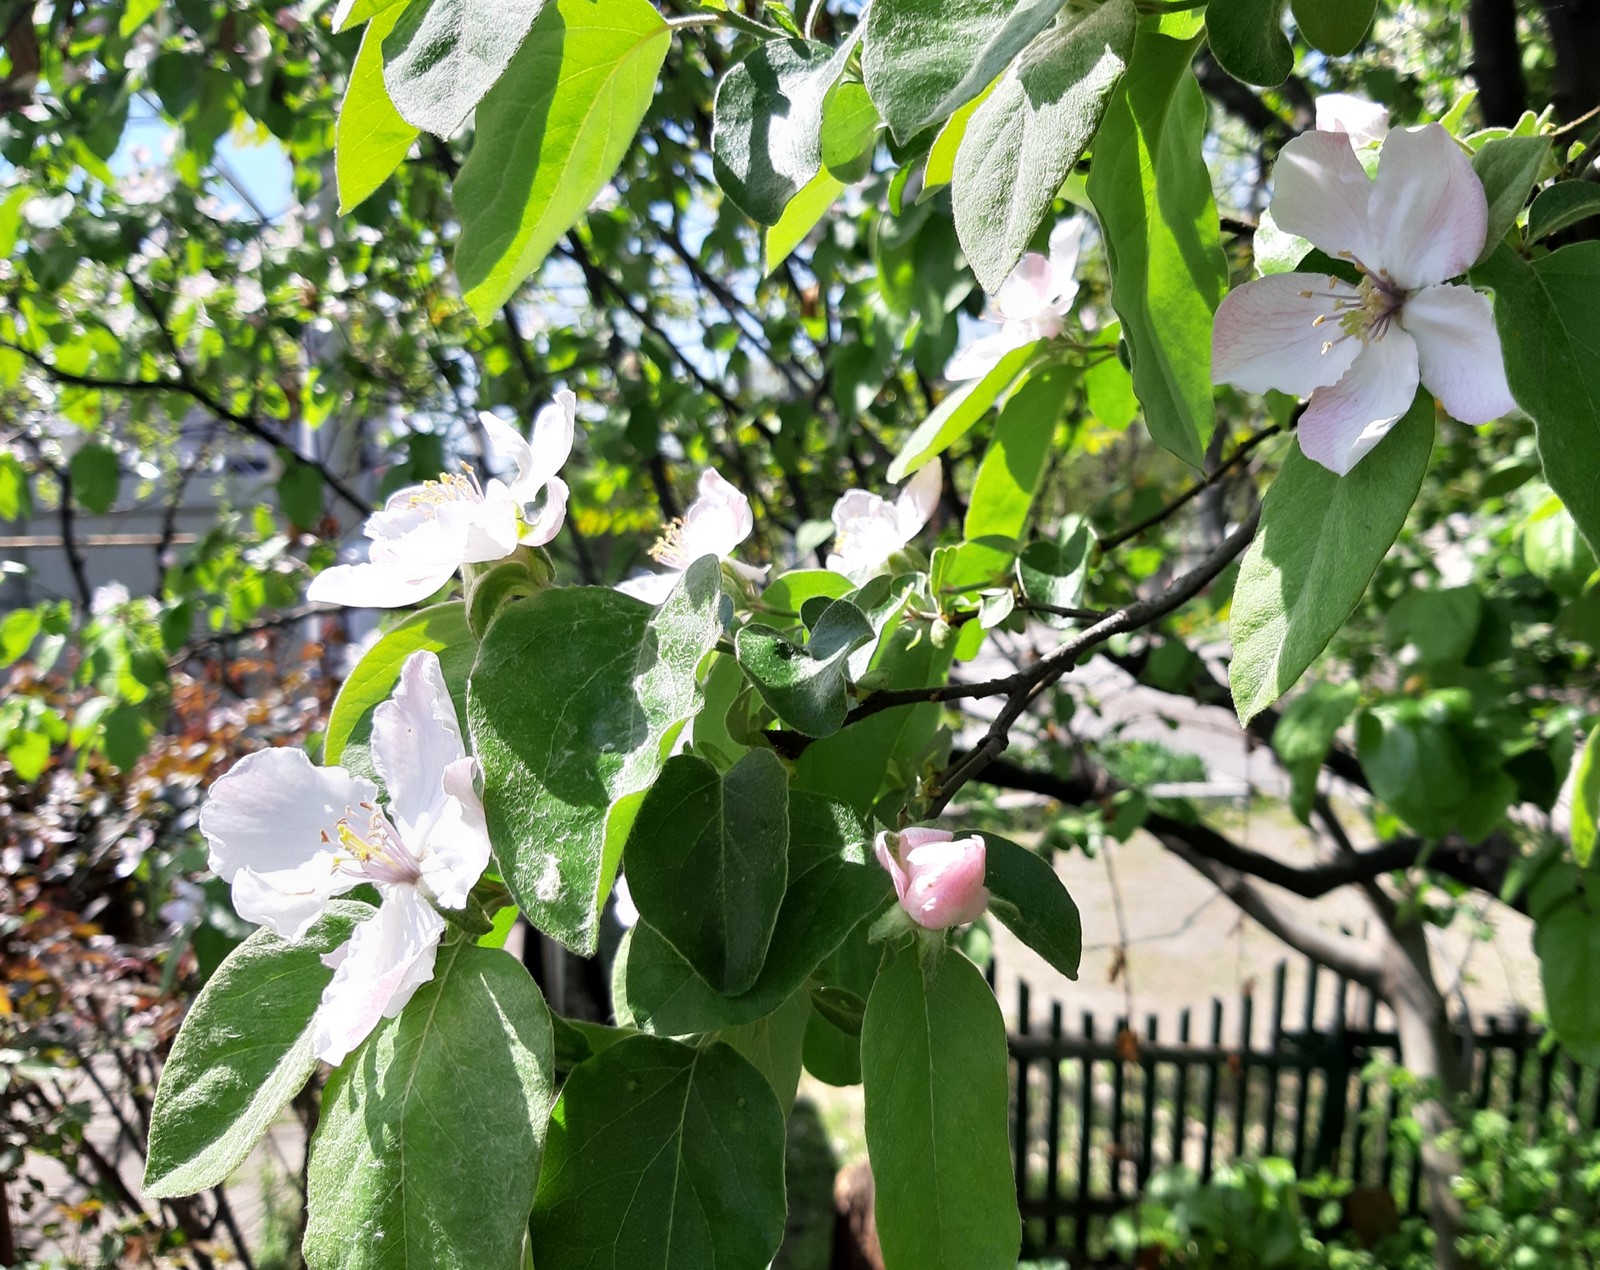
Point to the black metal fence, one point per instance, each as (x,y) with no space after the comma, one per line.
(1096,1110)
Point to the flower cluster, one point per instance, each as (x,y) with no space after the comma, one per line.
(1031,304)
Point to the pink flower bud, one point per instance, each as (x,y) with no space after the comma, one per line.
(937,876)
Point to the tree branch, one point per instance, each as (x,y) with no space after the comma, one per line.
(1194,491)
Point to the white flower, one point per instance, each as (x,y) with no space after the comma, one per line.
(1030,303)
(426,532)
(1359,351)
(107,599)
(1365,122)
(47,212)
(716,523)
(289,836)
(870,529)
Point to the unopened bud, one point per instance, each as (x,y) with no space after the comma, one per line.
(937,877)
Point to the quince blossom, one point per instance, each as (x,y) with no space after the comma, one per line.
(426,532)
(1031,303)
(870,529)
(716,523)
(289,836)
(937,877)
(1358,351)
(1365,122)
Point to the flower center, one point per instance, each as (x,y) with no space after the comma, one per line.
(670,549)
(377,856)
(451,487)
(1364,311)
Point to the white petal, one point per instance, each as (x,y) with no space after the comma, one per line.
(1365,121)
(1321,192)
(479,532)
(553,428)
(918,500)
(415,737)
(509,447)
(456,850)
(271,821)
(552,514)
(652,588)
(1266,335)
(1027,291)
(1066,244)
(390,956)
(981,356)
(717,521)
(1344,422)
(1429,212)
(1458,350)
(375,585)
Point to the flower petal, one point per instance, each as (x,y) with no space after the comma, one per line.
(652,588)
(1458,350)
(1365,121)
(552,514)
(376,585)
(717,521)
(415,737)
(918,501)
(1066,245)
(509,448)
(1321,192)
(456,850)
(886,857)
(271,821)
(1266,335)
(1344,422)
(981,356)
(1429,211)
(1027,291)
(389,956)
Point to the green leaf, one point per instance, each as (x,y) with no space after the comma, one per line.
(428,1148)
(805,684)
(1414,761)
(1053,571)
(1305,732)
(933,1060)
(1439,624)
(1562,206)
(18,629)
(707,862)
(218,1096)
(955,416)
(662,1157)
(371,138)
(773,1046)
(1320,541)
(766,141)
(924,58)
(1586,801)
(1030,132)
(941,165)
(803,214)
(1567,940)
(1508,168)
(441,629)
(352,13)
(441,56)
(16,502)
(830,1053)
(834,886)
(1009,476)
(96,477)
(849,131)
(1026,894)
(1548,316)
(1334,27)
(1248,42)
(299,491)
(550,135)
(574,700)
(1152,190)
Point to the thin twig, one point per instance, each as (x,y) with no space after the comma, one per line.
(1194,491)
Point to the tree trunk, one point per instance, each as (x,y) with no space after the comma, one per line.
(1574,36)
(1497,61)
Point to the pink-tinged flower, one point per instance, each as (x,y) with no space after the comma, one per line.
(426,532)
(716,523)
(937,876)
(870,529)
(1365,122)
(1358,351)
(1030,304)
(289,836)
